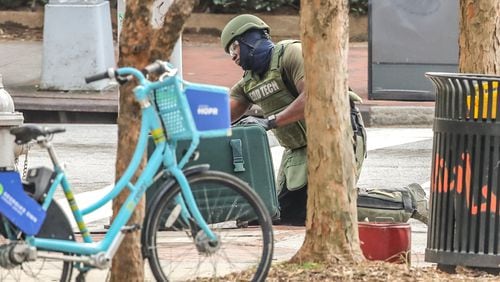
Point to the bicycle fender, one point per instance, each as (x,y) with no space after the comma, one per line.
(164,187)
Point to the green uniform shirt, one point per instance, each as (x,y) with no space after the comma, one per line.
(293,169)
(292,174)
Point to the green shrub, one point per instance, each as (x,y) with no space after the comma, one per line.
(357,7)
(233,6)
(14,4)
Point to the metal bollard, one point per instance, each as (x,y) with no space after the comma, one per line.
(77,42)
(9,118)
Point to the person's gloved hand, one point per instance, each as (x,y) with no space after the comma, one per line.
(254,120)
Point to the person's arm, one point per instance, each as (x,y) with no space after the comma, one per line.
(295,111)
(238,109)
(239,104)
(293,70)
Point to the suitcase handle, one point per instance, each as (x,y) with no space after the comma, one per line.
(237,151)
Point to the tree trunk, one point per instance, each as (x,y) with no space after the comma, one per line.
(479,36)
(128,264)
(140,45)
(331,227)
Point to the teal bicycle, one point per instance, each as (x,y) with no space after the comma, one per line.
(191,226)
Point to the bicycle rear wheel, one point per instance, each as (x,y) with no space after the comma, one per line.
(40,269)
(178,250)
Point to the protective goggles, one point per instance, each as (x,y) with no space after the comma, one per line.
(232,48)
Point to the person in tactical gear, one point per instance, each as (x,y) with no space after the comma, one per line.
(274,80)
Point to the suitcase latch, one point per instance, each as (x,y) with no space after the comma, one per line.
(237,151)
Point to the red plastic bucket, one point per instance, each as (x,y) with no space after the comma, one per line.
(390,242)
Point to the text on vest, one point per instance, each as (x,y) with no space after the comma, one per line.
(264,90)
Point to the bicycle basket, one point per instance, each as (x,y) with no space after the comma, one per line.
(194,108)
(174,111)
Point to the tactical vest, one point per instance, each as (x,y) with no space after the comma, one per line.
(272,95)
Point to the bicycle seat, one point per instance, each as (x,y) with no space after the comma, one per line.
(26,133)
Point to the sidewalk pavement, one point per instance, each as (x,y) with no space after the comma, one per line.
(21,66)
(287,241)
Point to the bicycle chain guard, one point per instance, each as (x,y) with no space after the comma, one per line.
(56,225)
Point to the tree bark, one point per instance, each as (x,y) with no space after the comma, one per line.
(128,264)
(140,45)
(479,39)
(331,227)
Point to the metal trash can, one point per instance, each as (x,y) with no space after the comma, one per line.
(464,226)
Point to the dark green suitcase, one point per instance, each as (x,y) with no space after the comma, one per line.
(246,155)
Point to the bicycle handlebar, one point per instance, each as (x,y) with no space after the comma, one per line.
(54,130)
(158,67)
(110,73)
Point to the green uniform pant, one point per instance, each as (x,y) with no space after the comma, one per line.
(373,205)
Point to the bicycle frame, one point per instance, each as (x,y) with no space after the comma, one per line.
(163,154)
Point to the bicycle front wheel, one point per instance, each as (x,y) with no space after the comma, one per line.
(178,250)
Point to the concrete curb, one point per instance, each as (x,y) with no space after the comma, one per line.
(28,19)
(283,26)
(402,116)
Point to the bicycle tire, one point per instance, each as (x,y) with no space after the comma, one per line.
(222,199)
(38,270)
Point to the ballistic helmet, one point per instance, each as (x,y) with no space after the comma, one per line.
(239,25)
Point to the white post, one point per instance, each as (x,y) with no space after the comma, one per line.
(77,42)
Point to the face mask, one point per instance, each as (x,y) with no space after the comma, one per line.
(255,51)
